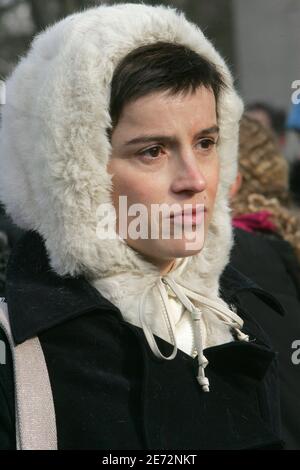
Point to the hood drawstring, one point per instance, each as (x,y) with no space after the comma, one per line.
(222,312)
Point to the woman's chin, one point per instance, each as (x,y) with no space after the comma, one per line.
(158,251)
(170,249)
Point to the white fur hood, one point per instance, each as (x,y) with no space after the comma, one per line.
(53,156)
(54,148)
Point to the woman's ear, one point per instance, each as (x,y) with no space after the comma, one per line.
(235,187)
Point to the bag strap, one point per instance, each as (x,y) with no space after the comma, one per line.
(35,413)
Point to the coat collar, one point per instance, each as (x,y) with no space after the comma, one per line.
(39,299)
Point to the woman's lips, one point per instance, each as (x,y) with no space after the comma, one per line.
(190,218)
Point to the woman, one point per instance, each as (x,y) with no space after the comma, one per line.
(131,338)
(267,249)
(262,202)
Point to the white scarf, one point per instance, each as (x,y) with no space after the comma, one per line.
(161,306)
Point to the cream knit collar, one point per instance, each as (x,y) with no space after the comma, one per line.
(162,306)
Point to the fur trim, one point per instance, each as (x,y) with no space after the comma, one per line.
(54,149)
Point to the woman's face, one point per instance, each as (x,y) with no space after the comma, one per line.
(164,152)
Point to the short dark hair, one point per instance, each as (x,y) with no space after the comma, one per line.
(161,66)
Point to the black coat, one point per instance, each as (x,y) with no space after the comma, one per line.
(111,392)
(271,263)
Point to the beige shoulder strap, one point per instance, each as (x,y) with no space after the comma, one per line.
(35,414)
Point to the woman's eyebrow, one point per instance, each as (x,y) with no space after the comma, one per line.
(169,139)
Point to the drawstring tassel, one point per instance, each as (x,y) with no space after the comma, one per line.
(202,361)
(240,335)
(202,379)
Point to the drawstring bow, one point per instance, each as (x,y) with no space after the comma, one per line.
(223,313)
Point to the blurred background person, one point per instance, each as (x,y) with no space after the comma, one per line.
(292,151)
(271,117)
(267,250)
(292,148)
(263,202)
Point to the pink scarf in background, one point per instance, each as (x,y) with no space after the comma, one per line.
(255,222)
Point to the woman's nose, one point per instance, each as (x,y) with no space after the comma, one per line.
(189,178)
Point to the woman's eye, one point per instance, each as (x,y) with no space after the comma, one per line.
(155,152)
(151,153)
(206,143)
